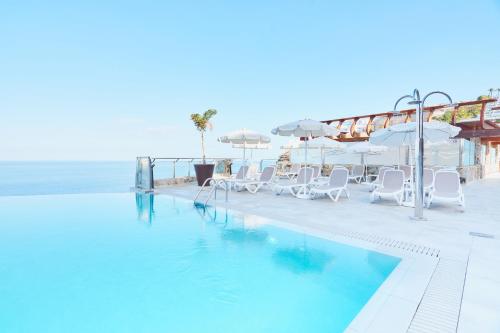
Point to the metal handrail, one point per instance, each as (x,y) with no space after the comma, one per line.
(190,160)
(215,184)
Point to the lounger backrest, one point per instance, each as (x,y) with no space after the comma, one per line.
(316,171)
(339,177)
(381,173)
(252,170)
(407,171)
(358,170)
(305,175)
(393,180)
(428,177)
(294,168)
(447,181)
(242,172)
(267,174)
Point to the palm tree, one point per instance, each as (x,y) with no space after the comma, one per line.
(202,123)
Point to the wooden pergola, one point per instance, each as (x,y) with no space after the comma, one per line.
(360,127)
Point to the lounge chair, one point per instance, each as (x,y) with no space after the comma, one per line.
(357,173)
(240,176)
(316,171)
(428,180)
(380,177)
(336,185)
(266,178)
(392,186)
(408,172)
(292,173)
(447,188)
(297,185)
(253,172)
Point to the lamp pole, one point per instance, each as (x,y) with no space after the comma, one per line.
(419,146)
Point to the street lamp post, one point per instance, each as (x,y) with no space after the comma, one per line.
(419,146)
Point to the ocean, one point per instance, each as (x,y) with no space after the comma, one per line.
(65,177)
(73,177)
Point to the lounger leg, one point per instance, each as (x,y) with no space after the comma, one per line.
(339,192)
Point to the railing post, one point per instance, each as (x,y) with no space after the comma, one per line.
(189,168)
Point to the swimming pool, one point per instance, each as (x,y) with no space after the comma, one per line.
(143,263)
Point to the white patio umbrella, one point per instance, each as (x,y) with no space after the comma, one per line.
(405,134)
(306,128)
(365,148)
(324,143)
(252,147)
(246,138)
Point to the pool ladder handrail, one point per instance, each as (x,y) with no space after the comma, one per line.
(215,183)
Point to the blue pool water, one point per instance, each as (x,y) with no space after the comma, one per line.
(139,263)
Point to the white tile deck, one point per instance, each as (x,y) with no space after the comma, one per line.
(400,303)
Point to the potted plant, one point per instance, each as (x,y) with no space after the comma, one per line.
(202,123)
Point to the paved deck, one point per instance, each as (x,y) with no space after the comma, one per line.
(459,291)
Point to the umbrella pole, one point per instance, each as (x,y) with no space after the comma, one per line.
(322,159)
(399,157)
(307,139)
(244,158)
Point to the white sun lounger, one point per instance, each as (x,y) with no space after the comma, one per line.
(297,185)
(316,171)
(408,172)
(337,185)
(266,178)
(380,177)
(447,188)
(428,180)
(393,185)
(240,176)
(292,173)
(357,173)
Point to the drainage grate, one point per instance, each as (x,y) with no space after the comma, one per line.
(480,234)
(384,241)
(439,308)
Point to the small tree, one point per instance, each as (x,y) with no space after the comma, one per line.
(202,122)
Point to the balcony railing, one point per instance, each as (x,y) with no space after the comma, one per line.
(151,169)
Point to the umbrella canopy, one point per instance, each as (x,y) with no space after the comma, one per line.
(244,136)
(322,143)
(306,128)
(365,147)
(252,146)
(405,133)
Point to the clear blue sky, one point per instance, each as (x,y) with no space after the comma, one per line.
(116,79)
